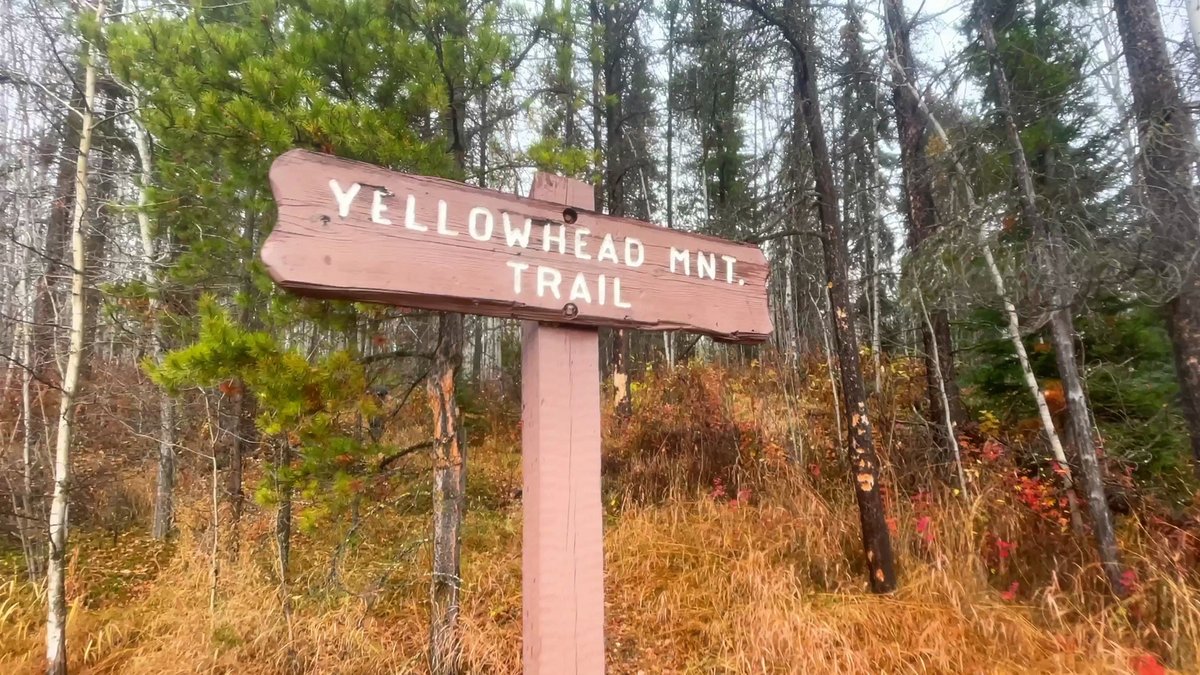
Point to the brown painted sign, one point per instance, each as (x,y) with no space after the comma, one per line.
(350,230)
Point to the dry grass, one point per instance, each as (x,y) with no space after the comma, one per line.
(693,587)
(769,582)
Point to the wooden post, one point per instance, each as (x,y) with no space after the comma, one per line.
(562,559)
(353,231)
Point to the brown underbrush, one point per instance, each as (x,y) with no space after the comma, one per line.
(731,546)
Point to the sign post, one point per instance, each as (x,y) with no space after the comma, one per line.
(562,552)
(352,231)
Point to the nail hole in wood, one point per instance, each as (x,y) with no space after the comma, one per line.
(570,216)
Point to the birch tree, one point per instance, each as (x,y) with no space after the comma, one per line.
(56,622)
(1062,326)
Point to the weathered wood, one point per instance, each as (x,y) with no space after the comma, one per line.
(349,230)
(549,260)
(1166,189)
(877,543)
(449,499)
(562,570)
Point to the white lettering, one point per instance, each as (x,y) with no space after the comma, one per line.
(548,236)
(579,289)
(601,289)
(708,263)
(548,277)
(608,248)
(410,216)
(580,244)
(442,229)
(630,245)
(617,294)
(377,209)
(517,268)
(729,261)
(488,223)
(515,237)
(683,257)
(344,199)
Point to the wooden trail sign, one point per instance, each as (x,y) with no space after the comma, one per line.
(348,229)
(353,231)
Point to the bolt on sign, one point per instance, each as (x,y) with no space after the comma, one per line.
(353,231)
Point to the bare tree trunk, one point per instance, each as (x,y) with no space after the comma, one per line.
(1167,141)
(864,462)
(1031,383)
(283,516)
(921,215)
(45,311)
(96,238)
(56,620)
(945,407)
(449,498)
(29,517)
(31,506)
(904,79)
(876,313)
(1061,327)
(826,314)
(283,543)
(1193,12)
(243,431)
(164,512)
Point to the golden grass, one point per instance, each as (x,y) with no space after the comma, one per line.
(693,587)
(768,583)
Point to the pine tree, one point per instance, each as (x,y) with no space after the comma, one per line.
(1050,109)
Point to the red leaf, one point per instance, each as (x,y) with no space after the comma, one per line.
(1004,548)
(1129,579)
(1147,664)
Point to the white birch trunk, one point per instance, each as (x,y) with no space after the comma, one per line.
(164,511)
(56,620)
(947,419)
(1193,12)
(1014,328)
(28,447)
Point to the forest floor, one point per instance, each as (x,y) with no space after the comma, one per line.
(731,546)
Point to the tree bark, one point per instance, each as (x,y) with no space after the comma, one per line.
(1062,327)
(45,315)
(1013,326)
(283,516)
(921,217)
(449,498)
(864,461)
(1167,140)
(615,160)
(56,620)
(164,512)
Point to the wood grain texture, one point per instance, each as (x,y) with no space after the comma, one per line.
(562,554)
(315,251)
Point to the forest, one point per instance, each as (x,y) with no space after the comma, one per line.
(971,443)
